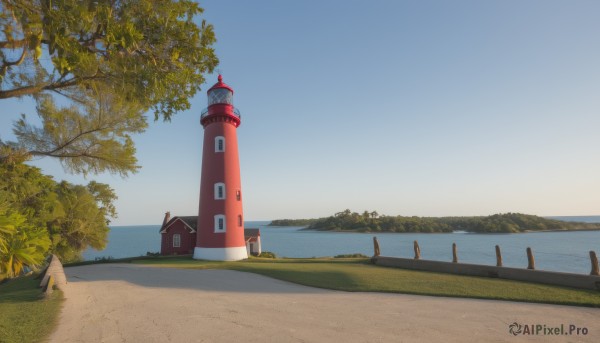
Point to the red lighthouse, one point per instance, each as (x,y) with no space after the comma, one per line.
(220,217)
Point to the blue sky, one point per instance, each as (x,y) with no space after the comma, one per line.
(428,108)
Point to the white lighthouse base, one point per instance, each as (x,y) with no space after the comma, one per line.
(221,254)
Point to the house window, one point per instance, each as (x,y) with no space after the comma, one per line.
(240,222)
(220,223)
(219,191)
(219,144)
(238,195)
(176,240)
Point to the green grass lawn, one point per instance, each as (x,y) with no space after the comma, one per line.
(25,315)
(357,275)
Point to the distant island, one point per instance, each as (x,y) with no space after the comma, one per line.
(373,222)
(292,222)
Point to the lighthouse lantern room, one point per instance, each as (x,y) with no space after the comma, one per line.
(220,226)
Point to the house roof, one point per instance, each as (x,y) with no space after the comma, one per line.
(251,233)
(190,221)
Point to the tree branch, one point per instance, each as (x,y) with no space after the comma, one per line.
(13,44)
(6,64)
(29,90)
(81,154)
(67,143)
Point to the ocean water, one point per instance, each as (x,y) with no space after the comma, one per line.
(556,251)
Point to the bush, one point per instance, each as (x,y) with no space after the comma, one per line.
(351,256)
(153,254)
(267,254)
(104,259)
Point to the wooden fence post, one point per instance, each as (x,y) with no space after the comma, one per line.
(417,250)
(530,259)
(376,247)
(498,256)
(594,260)
(454,254)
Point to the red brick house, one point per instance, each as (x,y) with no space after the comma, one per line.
(178,236)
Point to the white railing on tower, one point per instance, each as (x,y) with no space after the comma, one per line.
(236,112)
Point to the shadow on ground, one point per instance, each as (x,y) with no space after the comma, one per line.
(216,280)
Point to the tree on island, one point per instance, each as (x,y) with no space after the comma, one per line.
(93,69)
(497,223)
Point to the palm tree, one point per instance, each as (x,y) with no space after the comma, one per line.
(25,246)
(365,215)
(7,229)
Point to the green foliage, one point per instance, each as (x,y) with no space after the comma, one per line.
(26,247)
(357,255)
(147,50)
(512,223)
(8,227)
(292,222)
(112,61)
(497,223)
(104,259)
(21,244)
(92,136)
(84,223)
(267,254)
(49,216)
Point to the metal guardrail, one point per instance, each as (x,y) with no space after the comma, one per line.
(204,113)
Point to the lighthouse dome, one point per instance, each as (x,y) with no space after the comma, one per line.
(220,93)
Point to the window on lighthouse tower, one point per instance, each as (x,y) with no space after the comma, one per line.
(220,223)
(219,191)
(220,96)
(219,144)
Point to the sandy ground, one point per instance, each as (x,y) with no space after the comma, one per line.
(131,303)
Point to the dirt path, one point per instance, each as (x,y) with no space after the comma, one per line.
(132,303)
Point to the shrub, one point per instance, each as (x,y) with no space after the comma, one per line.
(104,259)
(267,254)
(357,255)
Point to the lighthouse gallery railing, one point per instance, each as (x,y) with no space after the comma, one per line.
(204,113)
